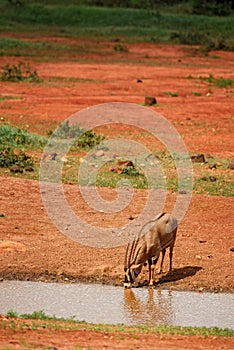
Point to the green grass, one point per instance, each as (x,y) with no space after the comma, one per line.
(218,82)
(128,24)
(17,145)
(13,137)
(9,97)
(171,94)
(53,323)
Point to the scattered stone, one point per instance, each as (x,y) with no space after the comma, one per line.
(53,156)
(209,178)
(212,178)
(16,169)
(29,168)
(198,158)
(139,81)
(201,241)
(213,166)
(121,166)
(232,249)
(150,101)
(201,289)
(231,165)
(182,192)
(99,153)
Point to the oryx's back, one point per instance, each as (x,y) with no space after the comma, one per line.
(162,234)
(166,223)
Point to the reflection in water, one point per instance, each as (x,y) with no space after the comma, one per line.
(153,309)
(97,303)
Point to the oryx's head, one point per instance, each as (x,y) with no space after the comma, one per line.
(131,268)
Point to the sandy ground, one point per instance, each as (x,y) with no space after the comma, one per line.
(32,248)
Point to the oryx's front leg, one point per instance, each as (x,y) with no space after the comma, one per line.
(152,262)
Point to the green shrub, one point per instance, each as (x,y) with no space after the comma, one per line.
(131,171)
(190,37)
(9,157)
(219,82)
(19,72)
(14,137)
(212,7)
(85,139)
(120,48)
(89,139)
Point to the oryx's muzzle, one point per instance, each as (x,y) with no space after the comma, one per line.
(128,280)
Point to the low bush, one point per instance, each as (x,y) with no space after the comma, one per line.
(9,157)
(19,72)
(84,139)
(219,82)
(15,137)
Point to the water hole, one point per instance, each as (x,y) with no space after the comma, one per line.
(96,303)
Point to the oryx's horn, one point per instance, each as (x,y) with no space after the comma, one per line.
(126,256)
(132,251)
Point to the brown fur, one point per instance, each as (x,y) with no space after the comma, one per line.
(147,247)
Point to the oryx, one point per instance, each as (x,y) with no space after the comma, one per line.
(146,247)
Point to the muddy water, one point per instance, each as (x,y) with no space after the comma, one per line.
(113,305)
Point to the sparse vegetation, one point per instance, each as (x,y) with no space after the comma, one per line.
(9,157)
(219,82)
(120,48)
(171,94)
(84,139)
(54,323)
(13,137)
(19,72)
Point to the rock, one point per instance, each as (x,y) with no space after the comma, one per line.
(199,158)
(212,178)
(121,165)
(99,153)
(53,156)
(182,192)
(213,166)
(16,169)
(139,81)
(150,101)
(231,165)
(29,168)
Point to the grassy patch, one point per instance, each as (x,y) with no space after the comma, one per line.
(9,97)
(171,94)
(126,23)
(54,323)
(18,145)
(13,137)
(218,82)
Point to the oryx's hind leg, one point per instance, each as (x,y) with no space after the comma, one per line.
(163,255)
(171,253)
(152,262)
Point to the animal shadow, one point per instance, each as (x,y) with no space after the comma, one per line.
(179,274)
